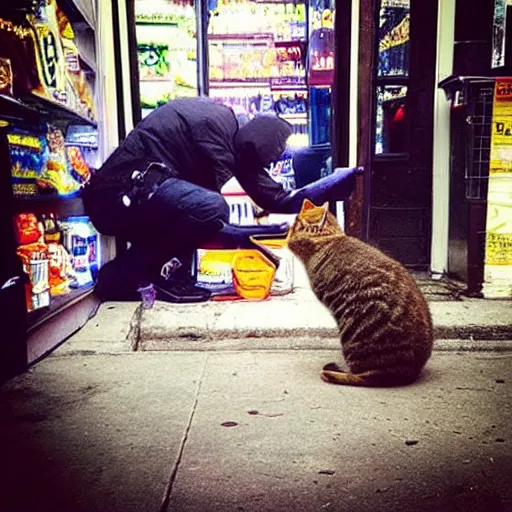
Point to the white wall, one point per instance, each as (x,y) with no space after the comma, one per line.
(106,80)
(106,75)
(354,99)
(125,66)
(441,142)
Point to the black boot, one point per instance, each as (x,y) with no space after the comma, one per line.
(176,283)
(116,282)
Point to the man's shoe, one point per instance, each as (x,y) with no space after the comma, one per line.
(180,291)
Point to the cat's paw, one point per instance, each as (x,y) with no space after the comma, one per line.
(332,367)
(330,373)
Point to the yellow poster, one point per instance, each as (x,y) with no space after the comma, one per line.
(501,135)
(499,248)
(498,243)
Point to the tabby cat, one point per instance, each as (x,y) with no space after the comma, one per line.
(384,321)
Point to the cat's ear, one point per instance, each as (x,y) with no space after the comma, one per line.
(307,205)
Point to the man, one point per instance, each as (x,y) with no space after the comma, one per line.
(160,190)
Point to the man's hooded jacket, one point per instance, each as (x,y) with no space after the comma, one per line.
(200,142)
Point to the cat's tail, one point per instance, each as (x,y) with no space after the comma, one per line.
(332,374)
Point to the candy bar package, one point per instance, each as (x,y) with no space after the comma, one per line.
(17,56)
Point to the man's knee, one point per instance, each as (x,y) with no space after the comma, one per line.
(222,208)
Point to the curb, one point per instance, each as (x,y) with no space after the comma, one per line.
(165,327)
(298,344)
(463,332)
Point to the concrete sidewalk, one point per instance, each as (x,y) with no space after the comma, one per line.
(252,431)
(234,417)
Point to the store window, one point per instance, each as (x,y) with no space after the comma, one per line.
(391,77)
(167,51)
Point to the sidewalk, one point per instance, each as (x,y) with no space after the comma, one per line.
(219,407)
(254,430)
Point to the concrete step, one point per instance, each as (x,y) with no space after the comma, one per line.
(297,318)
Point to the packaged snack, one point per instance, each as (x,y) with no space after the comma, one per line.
(321,57)
(83,136)
(77,165)
(56,175)
(215,270)
(27,155)
(18,55)
(6,78)
(61,273)
(81,241)
(51,62)
(35,263)
(51,229)
(85,95)
(26,228)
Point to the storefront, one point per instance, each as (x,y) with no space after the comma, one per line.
(357,79)
(437,187)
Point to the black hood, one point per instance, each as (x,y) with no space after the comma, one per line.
(261,141)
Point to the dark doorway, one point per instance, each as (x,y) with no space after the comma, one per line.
(397,194)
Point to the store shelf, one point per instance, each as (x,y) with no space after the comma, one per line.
(299,119)
(87,66)
(22,6)
(289,43)
(237,82)
(294,87)
(12,109)
(60,206)
(85,41)
(259,37)
(57,305)
(170,22)
(77,13)
(35,108)
(155,80)
(54,109)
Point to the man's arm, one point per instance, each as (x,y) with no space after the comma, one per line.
(270,195)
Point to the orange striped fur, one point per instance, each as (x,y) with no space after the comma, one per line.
(384,321)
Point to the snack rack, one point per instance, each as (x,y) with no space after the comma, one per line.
(50,254)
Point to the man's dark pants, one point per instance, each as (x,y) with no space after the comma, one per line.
(173,222)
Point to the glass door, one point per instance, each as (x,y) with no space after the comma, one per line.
(321,58)
(257,60)
(167,51)
(400,192)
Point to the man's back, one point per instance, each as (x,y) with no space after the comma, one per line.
(192,136)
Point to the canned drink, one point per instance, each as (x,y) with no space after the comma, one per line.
(148,296)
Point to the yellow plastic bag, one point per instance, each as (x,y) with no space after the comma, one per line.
(253,274)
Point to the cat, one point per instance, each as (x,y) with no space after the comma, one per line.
(384,320)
